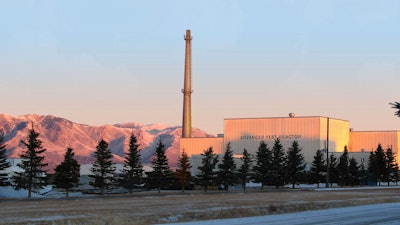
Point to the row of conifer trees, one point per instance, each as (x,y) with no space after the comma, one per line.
(270,166)
(275,167)
(32,175)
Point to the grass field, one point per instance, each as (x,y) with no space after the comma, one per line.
(150,207)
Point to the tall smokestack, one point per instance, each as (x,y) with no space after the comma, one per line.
(187,89)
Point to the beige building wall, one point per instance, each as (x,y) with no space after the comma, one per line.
(338,134)
(368,141)
(196,146)
(310,132)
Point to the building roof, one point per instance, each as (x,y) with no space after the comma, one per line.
(286,117)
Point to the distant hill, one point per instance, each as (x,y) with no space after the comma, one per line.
(57,134)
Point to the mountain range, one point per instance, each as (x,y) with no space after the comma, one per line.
(58,134)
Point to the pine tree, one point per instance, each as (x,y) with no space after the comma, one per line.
(295,164)
(103,168)
(395,174)
(4,164)
(245,169)
(182,173)
(68,172)
(278,173)
(227,175)
(391,166)
(262,168)
(380,164)
(132,172)
(208,175)
(332,167)
(396,105)
(318,168)
(161,174)
(32,176)
(354,172)
(363,174)
(372,168)
(343,168)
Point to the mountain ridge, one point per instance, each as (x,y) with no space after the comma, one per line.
(58,134)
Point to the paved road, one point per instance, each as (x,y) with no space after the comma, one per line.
(383,214)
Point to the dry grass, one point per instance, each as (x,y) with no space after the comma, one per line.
(150,208)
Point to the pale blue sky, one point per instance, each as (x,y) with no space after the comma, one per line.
(104,62)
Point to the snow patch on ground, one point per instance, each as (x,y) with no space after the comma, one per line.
(354,188)
(46,192)
(10,192)
(47,218)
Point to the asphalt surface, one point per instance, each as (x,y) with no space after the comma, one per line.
(381,214)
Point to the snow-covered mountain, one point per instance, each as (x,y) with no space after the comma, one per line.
(57,134)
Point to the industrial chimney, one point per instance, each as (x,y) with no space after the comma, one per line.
(187,89)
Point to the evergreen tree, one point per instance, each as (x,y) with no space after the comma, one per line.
(68,172)
(278,165)
(354,172)
(103,168)
(262,168)
(333,172)
(132,172)
(161,174)
(295,164)
(182,173)
(363,175)
(208,175)
(372,168)
(227,175)
(395,175)
(245,169)
(343,168)
(381,169)
(396,105)
(391,166)
(3,162)
(32,176)
(318,168)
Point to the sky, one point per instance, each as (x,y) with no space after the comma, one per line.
(106,62)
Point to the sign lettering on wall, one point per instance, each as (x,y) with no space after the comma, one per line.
(270,137)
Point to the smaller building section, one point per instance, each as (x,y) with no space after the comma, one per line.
(196,146)
(360,157)
(367,141)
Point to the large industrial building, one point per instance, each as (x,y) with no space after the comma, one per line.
(312,133)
